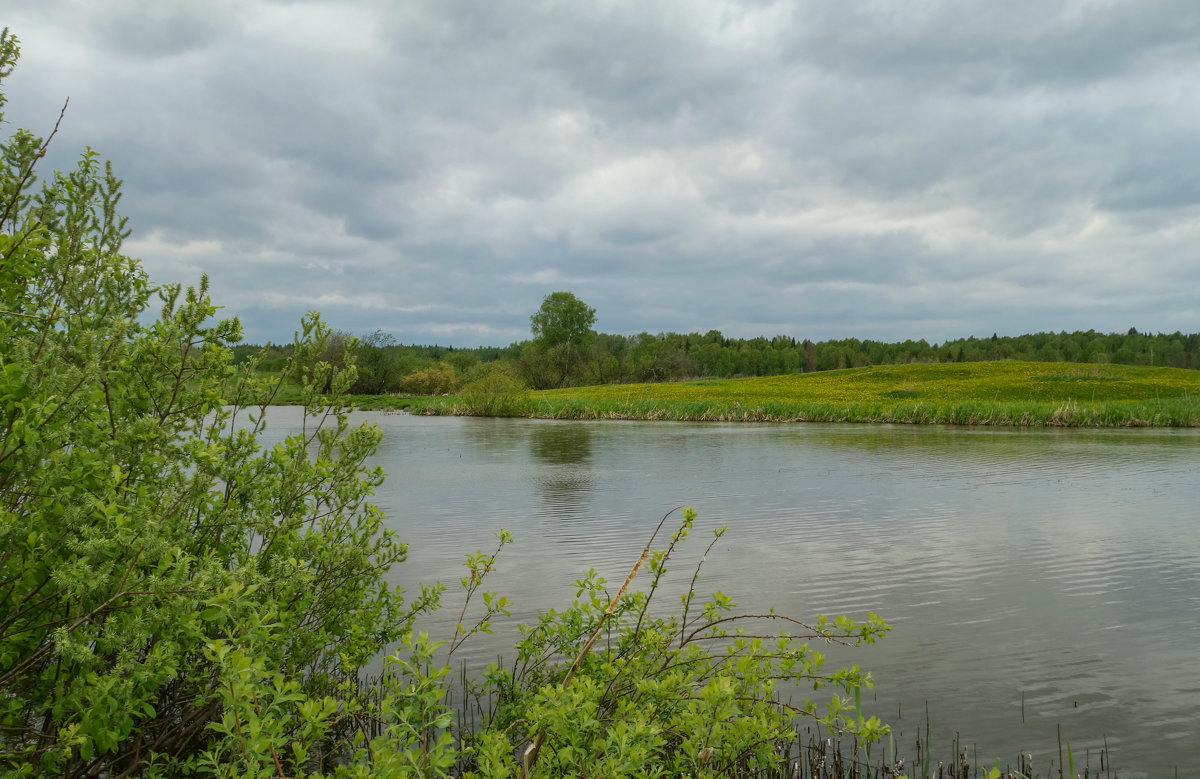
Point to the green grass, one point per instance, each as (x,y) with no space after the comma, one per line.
(984,393)
(384,402)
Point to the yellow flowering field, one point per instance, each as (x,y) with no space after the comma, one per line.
(936,382)
(981,393)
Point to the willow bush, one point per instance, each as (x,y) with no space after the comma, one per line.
(158,564)
(613,687)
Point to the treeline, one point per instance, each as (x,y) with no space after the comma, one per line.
(386,366)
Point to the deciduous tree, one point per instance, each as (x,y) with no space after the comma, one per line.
(563,327)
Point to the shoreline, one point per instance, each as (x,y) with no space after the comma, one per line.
(1110,416)
(1057,418)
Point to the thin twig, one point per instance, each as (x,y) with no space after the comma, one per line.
(29,171)
(530,757)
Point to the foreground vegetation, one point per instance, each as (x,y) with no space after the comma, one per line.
(985,393)
(178,598)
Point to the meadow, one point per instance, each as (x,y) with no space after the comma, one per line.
(1035,394)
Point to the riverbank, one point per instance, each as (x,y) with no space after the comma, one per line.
(1011,394)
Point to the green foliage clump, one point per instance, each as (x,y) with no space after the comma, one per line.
(377,371)
(438,379)
(562,337)
(563,319)
(692,694)
(494,390)
(172,593)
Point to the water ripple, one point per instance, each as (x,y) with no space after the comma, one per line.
(1034,579)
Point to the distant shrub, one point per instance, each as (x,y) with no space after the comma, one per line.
(495,391)
(437,380)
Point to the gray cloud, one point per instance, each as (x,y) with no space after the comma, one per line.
(814,169)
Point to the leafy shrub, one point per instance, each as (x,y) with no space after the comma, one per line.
(692,694)
(495,391)
(171,592)
(439,379)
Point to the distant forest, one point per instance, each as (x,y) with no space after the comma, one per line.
(386,366)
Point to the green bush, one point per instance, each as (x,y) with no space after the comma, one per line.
(687,695)
(494,391)
(161,570)
(435,380)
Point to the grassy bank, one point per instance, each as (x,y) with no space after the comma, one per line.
(1031,394)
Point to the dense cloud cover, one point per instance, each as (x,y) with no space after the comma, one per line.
(822,170)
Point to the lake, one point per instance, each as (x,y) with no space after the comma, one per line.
(1033,578)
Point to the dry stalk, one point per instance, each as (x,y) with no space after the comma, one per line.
(529,759)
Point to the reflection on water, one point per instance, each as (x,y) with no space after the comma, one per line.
(1061,566)
(561,444)
(565,478)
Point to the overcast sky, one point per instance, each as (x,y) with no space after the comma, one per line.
(821,169)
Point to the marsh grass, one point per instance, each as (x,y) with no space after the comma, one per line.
(1007,394)
(821,755)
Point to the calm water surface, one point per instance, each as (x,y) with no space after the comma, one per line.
(1061,567)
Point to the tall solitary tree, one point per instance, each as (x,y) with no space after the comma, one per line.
(562,329)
